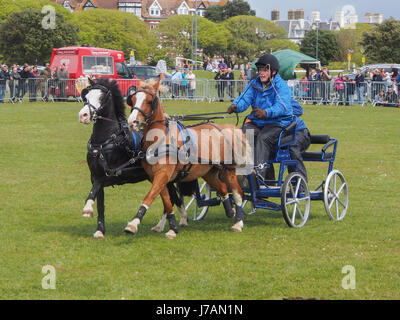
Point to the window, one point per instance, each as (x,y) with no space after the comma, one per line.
(97,65)
(122,70)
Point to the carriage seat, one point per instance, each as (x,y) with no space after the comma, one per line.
(319,155)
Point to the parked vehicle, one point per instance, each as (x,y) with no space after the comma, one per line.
(145,72)
(96,63)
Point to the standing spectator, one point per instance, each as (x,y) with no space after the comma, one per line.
(44,76)
(249,72)
(393,75)
(23,85)
(219,77)
(4,76)
(376,83)
(54,82)
(350,89)
(230,78)
(184,83)
(360,85)
(191,79)
(63,76)
(32,83)
(15,79)
(242,82)
(222,65)
(398,83)
(209,66)
(339,86)
(325,78)
(367,75)
(176,79)
(312,78)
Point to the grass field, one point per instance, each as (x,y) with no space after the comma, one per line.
(45,180)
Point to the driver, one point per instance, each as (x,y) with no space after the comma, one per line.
(270,98)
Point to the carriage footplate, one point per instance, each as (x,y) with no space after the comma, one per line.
(267,205)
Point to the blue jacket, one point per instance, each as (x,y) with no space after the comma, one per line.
(278,106)
(398,79)
(297,113)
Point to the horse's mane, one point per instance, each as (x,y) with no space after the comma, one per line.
(117,96)
(151,83)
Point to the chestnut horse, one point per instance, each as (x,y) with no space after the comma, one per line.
(206,150)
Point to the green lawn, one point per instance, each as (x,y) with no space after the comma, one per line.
(45,181)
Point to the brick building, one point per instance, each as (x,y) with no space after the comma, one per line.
(151,11)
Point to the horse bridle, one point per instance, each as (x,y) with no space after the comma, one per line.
(93,111)
(154,105)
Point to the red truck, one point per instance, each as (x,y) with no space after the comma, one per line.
(96,63)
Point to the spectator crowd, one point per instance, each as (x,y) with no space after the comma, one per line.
(18,81)
(383,87)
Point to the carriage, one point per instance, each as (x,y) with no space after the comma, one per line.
(104,105)
(292,190)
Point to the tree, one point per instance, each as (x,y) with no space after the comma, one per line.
(176,33)
(116,30)
(28,41)
(10,6)
(349,39)
(250,37)
(232,8)
(328,47)
(382,42)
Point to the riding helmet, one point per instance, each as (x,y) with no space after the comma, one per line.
(268,60)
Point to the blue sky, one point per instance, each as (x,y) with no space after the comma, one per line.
(327,8)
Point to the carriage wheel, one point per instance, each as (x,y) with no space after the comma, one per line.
(192,208)
(251,208)
(336,195)
(295,200)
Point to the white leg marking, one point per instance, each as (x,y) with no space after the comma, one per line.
(98,235)
(161,224)
(237,198)
(132,226)
(88,209)
(184,217)
(238,226)
(170,234)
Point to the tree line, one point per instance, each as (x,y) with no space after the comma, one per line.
(231,31)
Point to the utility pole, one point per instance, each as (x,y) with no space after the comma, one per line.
(316,44)
(196,35)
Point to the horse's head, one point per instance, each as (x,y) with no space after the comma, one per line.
(144,103)
(96,97)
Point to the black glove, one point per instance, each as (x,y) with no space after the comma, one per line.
(260,113)
(232,108)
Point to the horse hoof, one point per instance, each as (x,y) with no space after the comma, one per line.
(170,234)
(98,235)
(157,229)
(237,227)
(183,223)
(130,229)
(87,214)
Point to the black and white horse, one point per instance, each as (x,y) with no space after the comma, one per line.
(112,149)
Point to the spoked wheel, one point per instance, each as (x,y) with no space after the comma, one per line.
(193,209)
(295,200)
(248,207)
(336,195)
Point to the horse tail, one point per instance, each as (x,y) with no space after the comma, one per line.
(187,188)
(173,195)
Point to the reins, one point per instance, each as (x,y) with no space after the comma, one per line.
(204,117)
